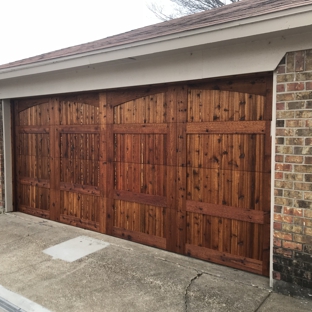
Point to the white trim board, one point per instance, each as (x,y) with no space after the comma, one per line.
(7,151)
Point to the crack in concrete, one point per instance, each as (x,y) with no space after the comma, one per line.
(236,281)
(211,274)
(198,275)
(263,302)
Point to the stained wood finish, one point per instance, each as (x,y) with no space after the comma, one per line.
(140,169)
(227,176)
(33,157)
(184,168)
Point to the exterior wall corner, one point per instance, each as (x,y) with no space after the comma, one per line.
(292,224)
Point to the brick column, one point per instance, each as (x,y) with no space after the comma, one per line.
(292,257)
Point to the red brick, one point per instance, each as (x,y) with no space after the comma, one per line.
(280,106)
(288,210)
(308,141)
(309,85)
(295,86)
(283,167)
(277,275)
(288,219)
(298,212)
(279,158)
(283,235)
(280,88)
(277,242)
(308,160)
(279,175)
(281,69)
(285,252)
(277,226)
(278,217)
(292,245)
(285,132)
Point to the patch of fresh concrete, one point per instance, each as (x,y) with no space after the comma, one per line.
(75,248)
(12,302)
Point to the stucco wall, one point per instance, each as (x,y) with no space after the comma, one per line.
(293,176)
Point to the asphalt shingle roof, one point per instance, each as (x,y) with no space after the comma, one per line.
(229,13)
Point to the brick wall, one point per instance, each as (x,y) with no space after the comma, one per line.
(1,163)
(292,263)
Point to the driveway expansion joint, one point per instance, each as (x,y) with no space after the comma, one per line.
(198,275)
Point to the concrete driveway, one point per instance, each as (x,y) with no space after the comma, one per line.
(122,276)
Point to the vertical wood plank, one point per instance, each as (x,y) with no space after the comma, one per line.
(110,176)
(55,160)
(103,162)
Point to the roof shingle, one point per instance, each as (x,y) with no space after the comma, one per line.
(229,13)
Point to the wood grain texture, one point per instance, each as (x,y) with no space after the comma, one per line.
(140,238)
(228,212)
(183,167)
(242,263)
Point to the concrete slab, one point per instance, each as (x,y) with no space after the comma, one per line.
(123,277)
(281,303)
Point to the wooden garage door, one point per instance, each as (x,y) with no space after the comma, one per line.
(228,174)
(57,159)
(182,168)
(140,169)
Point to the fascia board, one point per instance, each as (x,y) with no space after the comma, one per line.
(284,21)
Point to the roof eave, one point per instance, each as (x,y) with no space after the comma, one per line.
(283,21)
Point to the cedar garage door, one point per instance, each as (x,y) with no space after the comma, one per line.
(184,168)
